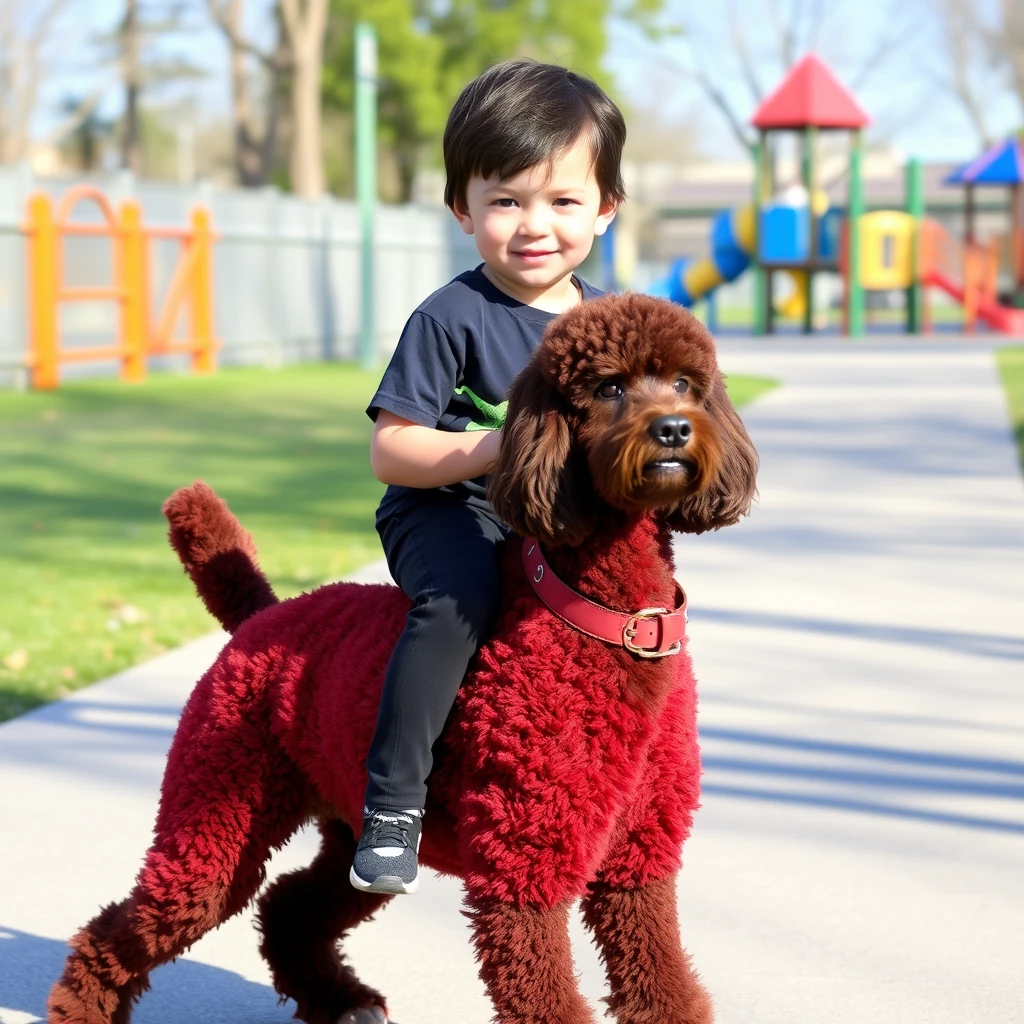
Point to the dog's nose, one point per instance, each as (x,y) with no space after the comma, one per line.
(670,431)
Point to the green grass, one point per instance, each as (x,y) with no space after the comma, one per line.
(1011,366)
(88,584)
(743,390)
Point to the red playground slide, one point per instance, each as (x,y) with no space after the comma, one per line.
(968,273)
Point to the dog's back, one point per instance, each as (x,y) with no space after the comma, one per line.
(313,664)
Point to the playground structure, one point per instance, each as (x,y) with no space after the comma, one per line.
(1000,166)
(140,335)
(797,233)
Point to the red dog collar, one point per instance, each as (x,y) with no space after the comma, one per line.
(650,632)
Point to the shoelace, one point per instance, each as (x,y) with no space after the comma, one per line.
(390,830)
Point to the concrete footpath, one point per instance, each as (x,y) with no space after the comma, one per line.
(860,646)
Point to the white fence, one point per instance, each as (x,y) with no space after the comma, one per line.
(286,270)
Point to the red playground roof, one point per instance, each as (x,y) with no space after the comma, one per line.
(810,96)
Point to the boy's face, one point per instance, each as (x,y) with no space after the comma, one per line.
(535,228)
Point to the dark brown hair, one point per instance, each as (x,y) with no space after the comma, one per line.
(519,114)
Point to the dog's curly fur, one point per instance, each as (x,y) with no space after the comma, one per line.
(568,768)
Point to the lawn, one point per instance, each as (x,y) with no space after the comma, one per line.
(88,585)
(1011,365)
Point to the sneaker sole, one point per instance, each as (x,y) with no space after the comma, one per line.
(391,884)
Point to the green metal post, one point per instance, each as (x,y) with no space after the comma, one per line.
(760,317)
(915,207)
(366,182)
(808,170)
(854,212)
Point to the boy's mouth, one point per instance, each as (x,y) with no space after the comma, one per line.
(533,254)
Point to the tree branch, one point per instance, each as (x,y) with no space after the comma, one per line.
(736,124)
(739,41)
(305,29)
(886,46)
(279,62)
(81,113)
(961,28)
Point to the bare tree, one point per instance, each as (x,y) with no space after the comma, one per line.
(31,43)
(25,31)
(306,22)
(299,56)
(254,144)
(129,52)
(1006,43)
(131,137)
(796,27)
(963,38)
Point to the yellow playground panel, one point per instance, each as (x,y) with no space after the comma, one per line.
(887,249)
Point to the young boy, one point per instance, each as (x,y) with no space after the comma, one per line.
(532,156)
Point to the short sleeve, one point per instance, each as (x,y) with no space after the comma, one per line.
(422,375)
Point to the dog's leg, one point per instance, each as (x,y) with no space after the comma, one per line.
(303,915)
(526,963)
(229,798)
(637,932)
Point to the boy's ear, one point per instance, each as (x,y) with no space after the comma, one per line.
(461,214)
(605,215)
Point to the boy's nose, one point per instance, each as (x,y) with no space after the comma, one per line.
(534,222)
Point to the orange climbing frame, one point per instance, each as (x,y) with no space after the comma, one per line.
(137,338)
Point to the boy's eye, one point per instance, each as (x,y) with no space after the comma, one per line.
(565,201)
(506,202)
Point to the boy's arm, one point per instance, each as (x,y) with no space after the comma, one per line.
(410,455)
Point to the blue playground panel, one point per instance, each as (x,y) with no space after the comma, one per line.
(784,234)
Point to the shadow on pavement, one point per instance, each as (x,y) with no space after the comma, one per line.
(1007,648)
(865,785)
(183,992)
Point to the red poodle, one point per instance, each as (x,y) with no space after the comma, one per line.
(569,766)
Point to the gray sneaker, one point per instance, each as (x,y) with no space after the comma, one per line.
(385,859)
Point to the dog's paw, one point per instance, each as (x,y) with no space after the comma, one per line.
(373,1015)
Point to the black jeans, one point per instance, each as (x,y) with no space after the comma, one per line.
(445,555)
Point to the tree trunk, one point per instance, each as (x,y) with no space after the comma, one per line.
(131,143)
(306,29)
(307,162)
(254,152)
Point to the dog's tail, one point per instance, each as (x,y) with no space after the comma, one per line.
(218,555)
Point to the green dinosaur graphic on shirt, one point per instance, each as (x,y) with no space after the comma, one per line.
(492,416)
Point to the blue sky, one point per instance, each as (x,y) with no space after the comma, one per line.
(905,96)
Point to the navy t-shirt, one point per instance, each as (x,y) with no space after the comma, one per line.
(453,367)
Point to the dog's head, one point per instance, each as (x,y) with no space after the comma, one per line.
(622,404)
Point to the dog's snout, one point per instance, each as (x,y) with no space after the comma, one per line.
(671,431)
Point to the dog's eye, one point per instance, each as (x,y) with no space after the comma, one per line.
(681,386)
(609,389)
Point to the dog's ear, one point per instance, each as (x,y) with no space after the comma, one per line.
(539,485)
(730,479)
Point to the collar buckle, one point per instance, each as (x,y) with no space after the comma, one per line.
(630,630)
